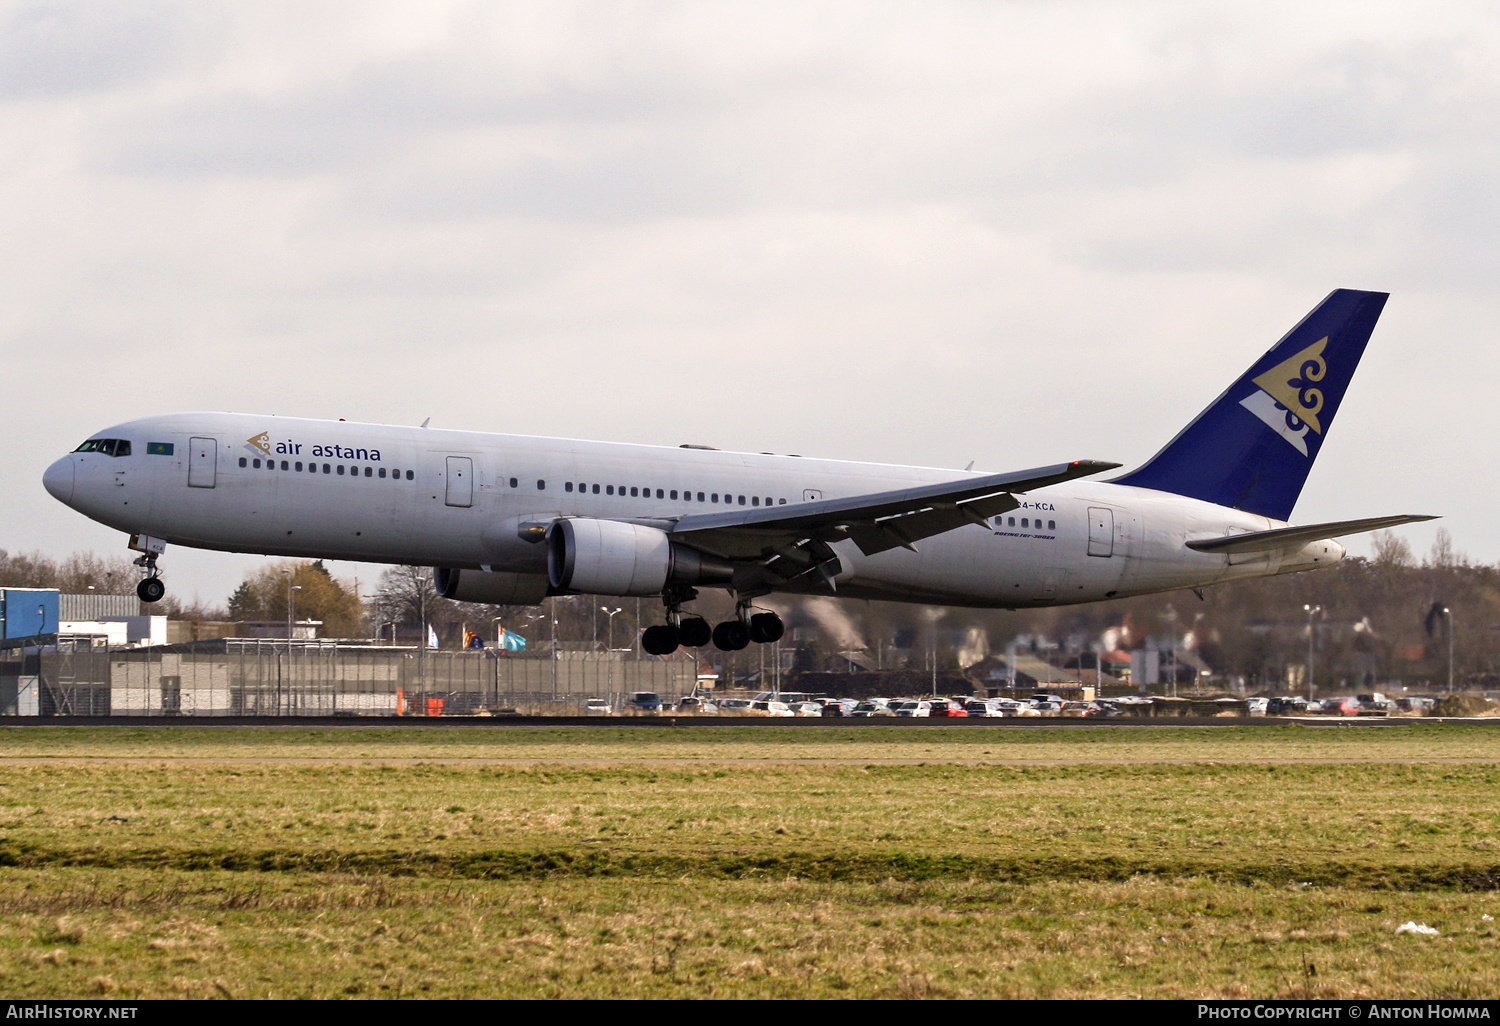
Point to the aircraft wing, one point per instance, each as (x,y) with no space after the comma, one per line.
(876,522)
(1296,537)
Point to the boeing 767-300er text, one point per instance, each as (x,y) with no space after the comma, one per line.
(511,519)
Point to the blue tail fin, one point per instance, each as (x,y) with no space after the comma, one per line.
(1253,447)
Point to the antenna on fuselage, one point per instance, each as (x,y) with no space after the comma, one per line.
(427,421)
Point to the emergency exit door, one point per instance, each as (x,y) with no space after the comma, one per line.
(460,481)
(203,462)
(1101,531)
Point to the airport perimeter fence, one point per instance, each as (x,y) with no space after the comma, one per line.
(271,679)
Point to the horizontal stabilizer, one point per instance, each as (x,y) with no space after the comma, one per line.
(1296,537)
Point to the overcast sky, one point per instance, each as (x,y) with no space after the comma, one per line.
(1014,233)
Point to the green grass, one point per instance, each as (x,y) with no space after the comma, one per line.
(761,862)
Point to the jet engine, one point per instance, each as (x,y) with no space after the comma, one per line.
(608,557)
(493,587)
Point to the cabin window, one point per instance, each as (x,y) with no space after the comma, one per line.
(700,496)
(714,496)
(755,500)
(783,502)
(369,472)
(659,493)
(596,489)
(410,476)
(380,475)
(244,462)
(541,485)
(567,486)
(634,492)
(1012,521)
(674,493)
(285,465)
(609,489)
(1052,525)
(742,500)
(340,470)
(255,464)
(513,482)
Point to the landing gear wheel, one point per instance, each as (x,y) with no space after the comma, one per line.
(151,590)
(731,636)
(659,640)
(694,631)
(766,628)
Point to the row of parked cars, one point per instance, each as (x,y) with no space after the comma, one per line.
(775,705)
(791,705)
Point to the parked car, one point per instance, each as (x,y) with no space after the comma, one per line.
(770,708)
(946,707)
(734,706)
(644,701)
(1013,707)
(839,706)
(1257,706)
(696,704)
(912,708)
(596,707)
(871,707)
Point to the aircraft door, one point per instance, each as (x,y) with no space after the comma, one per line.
(812,494)
(203,462)
(1101,531)
(460,481)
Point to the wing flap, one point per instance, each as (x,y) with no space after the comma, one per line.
(1296,537)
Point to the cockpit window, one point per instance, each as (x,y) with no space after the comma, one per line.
(107,446)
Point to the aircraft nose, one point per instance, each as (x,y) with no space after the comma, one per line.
(58,480)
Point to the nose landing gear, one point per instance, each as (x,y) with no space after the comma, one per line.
(151,589)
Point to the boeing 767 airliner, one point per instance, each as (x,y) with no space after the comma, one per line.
(511,519)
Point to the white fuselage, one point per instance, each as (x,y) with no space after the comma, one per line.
(382,493)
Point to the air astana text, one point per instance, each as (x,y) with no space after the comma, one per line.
(289,447)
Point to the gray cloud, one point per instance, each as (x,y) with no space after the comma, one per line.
(1011,233)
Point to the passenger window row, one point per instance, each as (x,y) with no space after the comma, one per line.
(636,491)
(336,468)
(1025,522)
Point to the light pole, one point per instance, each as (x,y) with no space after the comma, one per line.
(1311,611)
(609,665)
(1448,617)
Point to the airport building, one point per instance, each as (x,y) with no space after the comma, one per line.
(118,663)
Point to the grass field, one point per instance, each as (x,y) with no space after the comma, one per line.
(1183,862)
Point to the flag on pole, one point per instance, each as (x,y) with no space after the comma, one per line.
(472,640)
(512,642)
(432,641)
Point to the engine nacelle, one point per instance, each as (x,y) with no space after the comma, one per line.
(607,557)
(493,587)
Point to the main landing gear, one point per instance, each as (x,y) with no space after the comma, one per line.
(694,632)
